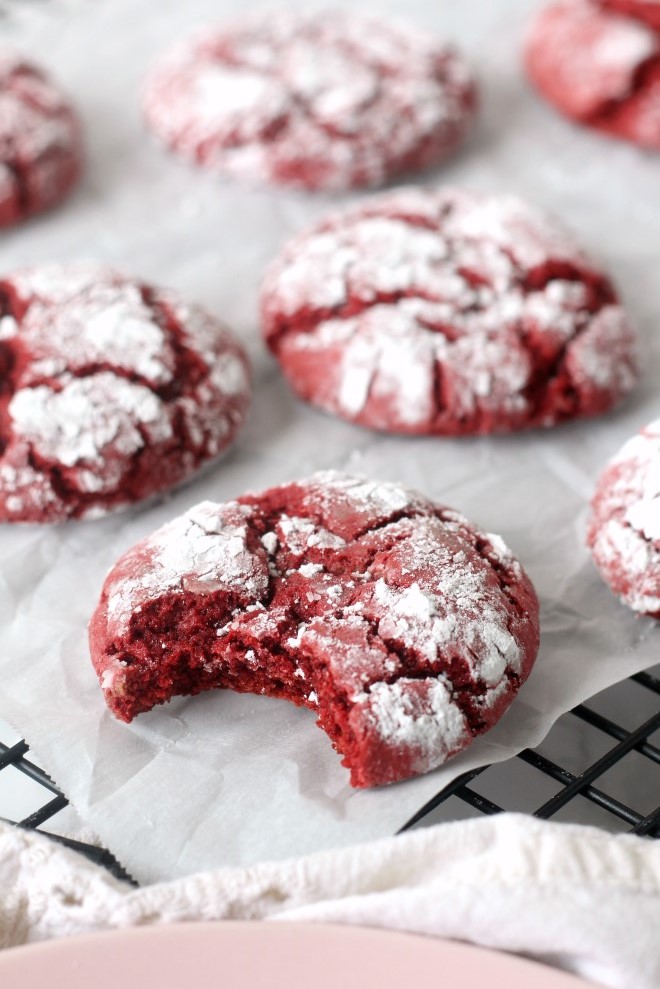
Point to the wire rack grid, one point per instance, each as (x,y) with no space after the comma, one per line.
(558,787)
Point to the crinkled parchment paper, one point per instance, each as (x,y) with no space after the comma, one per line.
(227,779)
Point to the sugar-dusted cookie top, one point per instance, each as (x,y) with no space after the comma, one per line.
(326,100)
(624,527)
(111,391)
(446,312)
(40,140)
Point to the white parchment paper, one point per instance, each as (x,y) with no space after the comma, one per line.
(228,779)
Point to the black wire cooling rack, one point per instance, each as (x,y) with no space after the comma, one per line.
(609,741)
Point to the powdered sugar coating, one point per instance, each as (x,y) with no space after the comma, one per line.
(319,100)
(40,144)
(110,391)
(624,528)
(446,312)
(405,628)
(600,66)
(423,717)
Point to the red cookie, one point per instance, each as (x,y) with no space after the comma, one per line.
(624,528)
(110,391)
(40,145)
(407,630)
(446,312)
(643,10)
(316,100)
(599,67)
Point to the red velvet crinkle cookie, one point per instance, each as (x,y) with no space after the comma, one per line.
(643,10)
(317,100)
(624,528)
(110,391)
(40,144)
(406,629)
(599,64)
(446,312)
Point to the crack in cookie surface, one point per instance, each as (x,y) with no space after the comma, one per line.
(111,391)
(403,627)
(446,312)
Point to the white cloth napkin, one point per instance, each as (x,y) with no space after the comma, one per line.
(575,897)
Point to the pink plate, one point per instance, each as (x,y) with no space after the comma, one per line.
(268,955)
